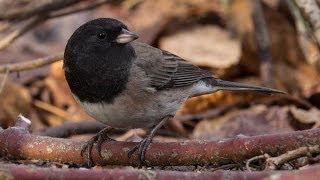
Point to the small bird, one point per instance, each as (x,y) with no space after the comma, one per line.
(128,84)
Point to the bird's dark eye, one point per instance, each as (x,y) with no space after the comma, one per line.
(101,35)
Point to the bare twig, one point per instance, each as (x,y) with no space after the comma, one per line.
(249,161)
(42,16)
(11,11)
(4,79)
(31,64)
(275,162)
(5,42)
(23,122)
(90,6)
(262,44)
(52,109)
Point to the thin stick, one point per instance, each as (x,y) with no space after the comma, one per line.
(52,109)
(31,8)
(79,9)
(249,161)
(3,82)
(263,44)
(274,162)
(31,64)
(5,42)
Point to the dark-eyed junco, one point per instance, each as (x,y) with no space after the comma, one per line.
(127,84)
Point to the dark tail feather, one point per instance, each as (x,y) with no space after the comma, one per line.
(234,86)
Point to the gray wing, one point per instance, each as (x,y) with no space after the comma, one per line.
(167,70)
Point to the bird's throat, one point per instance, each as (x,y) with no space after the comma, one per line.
(101,80)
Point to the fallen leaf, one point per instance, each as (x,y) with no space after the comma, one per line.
(256,120)
(15,100)
(204,45)
(149,27)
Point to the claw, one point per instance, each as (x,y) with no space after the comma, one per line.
(142,150)
(99,145)
(88,146)
(99,138)
(141,147)
(90,160)
(144,143)
(132,150)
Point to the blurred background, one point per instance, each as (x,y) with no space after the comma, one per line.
(274,43)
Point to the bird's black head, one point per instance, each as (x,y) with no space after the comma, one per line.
(100,34)
(97,59)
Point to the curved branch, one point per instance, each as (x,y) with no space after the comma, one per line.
(17,143)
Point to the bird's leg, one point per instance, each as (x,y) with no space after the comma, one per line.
(99,138)
(144,143)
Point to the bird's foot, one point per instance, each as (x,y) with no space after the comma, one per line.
(142,147)
(144,143)
(99,139)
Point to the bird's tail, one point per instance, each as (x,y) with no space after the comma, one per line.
(235,86)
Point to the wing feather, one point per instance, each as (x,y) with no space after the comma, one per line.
(167,70)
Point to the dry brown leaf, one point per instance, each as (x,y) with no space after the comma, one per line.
(204,45)
(256,120)
(286,53)
(284,48)
(151,17)
(297,80)
(14,100)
